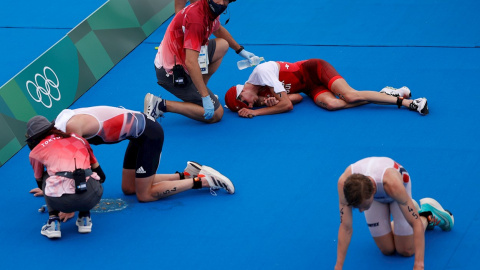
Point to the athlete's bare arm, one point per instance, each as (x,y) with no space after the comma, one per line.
(345,229)
(393,184)
(83,125)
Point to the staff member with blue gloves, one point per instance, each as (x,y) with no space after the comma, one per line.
(186,60)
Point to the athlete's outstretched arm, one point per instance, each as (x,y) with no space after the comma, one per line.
(345,229)
(393,183)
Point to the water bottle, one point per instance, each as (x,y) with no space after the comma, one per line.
(243,64)
(42,209)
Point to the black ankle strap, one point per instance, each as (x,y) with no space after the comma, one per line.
(181,174)
(425,214)
(197,182)
(399,102)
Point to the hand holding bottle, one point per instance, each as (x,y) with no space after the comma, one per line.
(250,62)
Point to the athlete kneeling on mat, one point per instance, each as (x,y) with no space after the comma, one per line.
(107,125)
(104,124)
(380,187)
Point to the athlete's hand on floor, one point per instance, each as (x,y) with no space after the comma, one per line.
(37,192)
(247,113)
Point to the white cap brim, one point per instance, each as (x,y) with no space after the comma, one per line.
(239,89)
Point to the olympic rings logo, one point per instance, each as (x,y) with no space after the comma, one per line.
(42,87)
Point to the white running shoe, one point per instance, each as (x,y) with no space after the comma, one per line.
(216,180)
(193,168)
(439,216)
(420,105)
(397,92)
(150,106)
(52,228)
(84,224)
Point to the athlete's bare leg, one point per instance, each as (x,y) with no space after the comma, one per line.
(329,101)
(402,244)
(341,88)
(155,187)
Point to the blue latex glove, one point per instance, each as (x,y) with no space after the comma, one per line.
(208,107)
(247,55)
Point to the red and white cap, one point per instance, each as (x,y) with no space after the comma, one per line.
(231,98)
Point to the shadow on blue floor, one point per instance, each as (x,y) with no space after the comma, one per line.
(285,167)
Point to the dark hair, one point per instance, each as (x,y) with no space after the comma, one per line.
(34,141)
(357,188)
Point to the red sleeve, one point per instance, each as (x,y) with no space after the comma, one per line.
(194,35)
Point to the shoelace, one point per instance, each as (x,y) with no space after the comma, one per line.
(434,221)
(212,189)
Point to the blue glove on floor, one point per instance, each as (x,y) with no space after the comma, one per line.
(208,107)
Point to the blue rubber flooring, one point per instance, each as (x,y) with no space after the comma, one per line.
(284,214)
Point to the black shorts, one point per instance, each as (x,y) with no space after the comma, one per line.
(143,153)
(188,92)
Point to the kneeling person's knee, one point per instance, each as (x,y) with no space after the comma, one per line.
(387,251)
(406,252)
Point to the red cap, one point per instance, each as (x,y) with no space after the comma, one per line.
(231,99)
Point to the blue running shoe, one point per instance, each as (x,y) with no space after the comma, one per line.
(84,224)
(439,216)
(52,228)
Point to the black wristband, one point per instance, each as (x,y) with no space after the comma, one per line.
(100,174)
(39,184)
(239,50)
